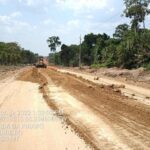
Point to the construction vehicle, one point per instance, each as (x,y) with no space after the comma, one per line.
(41,63)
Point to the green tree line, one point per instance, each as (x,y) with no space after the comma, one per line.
(129,47)
(13,54)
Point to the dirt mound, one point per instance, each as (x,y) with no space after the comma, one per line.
(7,71)
(139,77)
(128,119)
(33,75)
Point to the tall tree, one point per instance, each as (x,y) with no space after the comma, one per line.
(65,55)
(137,11)
(88,48)
(53,43)
(121,31)
(13,54)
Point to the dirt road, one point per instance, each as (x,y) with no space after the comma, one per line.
(139,93)
(27,122)
(102,117)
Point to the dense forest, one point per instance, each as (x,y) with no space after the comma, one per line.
(13,54)
(129,47)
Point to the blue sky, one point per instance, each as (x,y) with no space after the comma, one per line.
(31,22)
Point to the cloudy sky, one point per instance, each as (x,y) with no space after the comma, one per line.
(31,22)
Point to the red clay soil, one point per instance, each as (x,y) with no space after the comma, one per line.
(129,119)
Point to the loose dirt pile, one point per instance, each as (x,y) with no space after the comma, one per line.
(129,119)
(102,116)
(32,75)
(138,77)
(6,71)
(27,121)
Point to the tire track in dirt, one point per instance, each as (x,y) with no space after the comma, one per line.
(129,119)
(135,92)
(55,134)
(116,117)
(79,120)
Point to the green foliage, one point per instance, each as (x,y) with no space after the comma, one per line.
(96,66)
(69,55)
(129,51)
(137,11)
(147,66)
(129,47)
(121,31)
(13,54)
(92,46)
(53,43)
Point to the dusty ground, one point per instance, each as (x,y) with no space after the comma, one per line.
(139,77)
(129,89)
(27,122)
(104,118)
(6,71)
(109,121)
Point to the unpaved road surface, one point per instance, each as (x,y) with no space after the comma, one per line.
(6,71)
(139,77)
(135,92)
(27,122)
(105,119)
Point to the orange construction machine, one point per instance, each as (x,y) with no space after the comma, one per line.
(41,63)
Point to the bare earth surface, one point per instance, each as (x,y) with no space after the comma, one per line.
(27,122)
(138,77)
(135,90)
(7,71)
(97,112)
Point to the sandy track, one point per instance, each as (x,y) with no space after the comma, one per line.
(103,117)
(136,92)
(27,122)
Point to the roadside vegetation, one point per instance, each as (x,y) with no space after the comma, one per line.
(128,48)
(13,54)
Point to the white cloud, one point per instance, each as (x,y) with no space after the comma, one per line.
(33,3)
(89,16)
(46,9)
(10,24)
(16,14)
(48,22)
(101,27)
(27,2)
(82,4)
(73,23)
(3,1)
(67,28)
(70,19)
(112,9)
